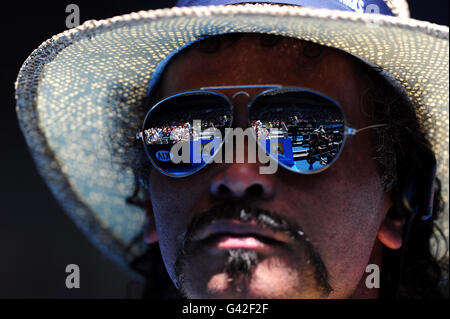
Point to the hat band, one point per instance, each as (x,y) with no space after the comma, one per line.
(361,6)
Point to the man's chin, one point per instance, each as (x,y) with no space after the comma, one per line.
(270,277)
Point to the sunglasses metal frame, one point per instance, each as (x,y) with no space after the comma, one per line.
(271,88)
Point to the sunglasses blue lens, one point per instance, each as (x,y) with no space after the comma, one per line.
(303,130)
(182,133)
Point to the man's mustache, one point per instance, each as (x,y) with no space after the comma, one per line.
(243,213)
(264,218)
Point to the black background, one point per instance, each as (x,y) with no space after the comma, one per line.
(37,240)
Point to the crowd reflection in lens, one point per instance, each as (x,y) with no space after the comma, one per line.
(183,129)
(309,138)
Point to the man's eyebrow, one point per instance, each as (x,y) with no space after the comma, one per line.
(312,50)
(213,44)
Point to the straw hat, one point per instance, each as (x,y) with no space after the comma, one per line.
(73,88)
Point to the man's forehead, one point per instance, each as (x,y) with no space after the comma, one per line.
(248,57)
(254,43)
(261,59)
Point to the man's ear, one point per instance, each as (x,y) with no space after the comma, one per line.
(150,235)
(390,233)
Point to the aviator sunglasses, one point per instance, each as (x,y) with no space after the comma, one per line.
(306,129)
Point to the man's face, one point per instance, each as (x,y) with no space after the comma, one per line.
(314,232)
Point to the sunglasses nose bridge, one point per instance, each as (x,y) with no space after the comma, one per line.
(240,93)
(241,101)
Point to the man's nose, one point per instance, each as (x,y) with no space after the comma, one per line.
(242,181)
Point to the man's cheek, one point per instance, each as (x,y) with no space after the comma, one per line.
(171,222)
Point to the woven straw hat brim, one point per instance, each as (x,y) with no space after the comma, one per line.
(73,88)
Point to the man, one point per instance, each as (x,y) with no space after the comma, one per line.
(294,123)
(343,215)
(230,231)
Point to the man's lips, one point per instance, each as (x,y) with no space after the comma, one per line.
(234,234)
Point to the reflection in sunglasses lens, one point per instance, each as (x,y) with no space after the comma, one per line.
(194,121)
(304,129)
